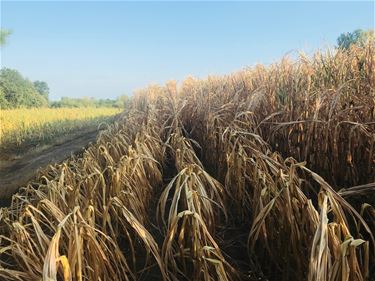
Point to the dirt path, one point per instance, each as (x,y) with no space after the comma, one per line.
(16,173)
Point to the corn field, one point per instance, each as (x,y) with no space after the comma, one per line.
(265,174)
(20,126)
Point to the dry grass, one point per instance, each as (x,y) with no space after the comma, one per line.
(276,162)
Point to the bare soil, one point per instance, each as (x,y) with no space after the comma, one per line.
(18,170)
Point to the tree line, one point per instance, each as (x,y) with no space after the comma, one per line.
(90,102)
(17,91)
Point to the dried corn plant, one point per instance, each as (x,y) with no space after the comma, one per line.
(275,162)
(85,220)
(194,201)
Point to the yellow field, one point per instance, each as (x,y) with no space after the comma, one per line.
(37,124)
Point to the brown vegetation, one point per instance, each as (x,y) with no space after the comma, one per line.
(244,177)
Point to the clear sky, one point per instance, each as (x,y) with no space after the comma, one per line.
(105,49)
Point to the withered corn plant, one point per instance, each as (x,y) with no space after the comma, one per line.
(264,174)
(195,201)
(85,219)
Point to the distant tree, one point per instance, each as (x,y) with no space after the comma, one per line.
(121,101)
(3,101)
(84,102)
(16,91)
(42,88)
(359,37)
(4,33)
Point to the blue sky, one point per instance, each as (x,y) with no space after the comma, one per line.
(105,49)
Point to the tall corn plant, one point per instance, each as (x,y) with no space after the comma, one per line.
(270,187)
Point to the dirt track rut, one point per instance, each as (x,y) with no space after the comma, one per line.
(17,173)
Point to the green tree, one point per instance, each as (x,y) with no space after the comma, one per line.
(3,101)
(42,88)
(121,101)
(16,91)
(4,33)
(359,37)
(85,102)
